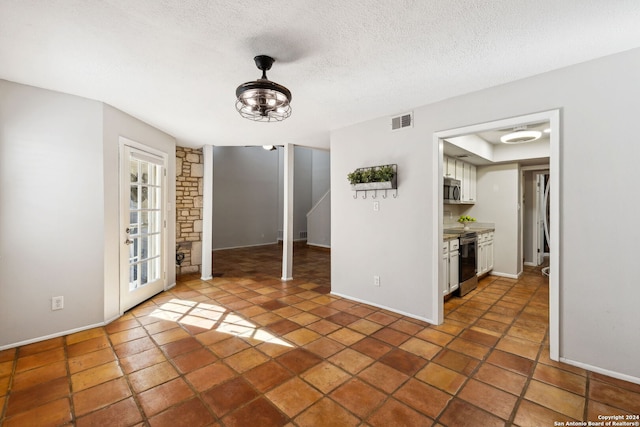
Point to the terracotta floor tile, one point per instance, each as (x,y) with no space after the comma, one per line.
(358,397)
(519,346)
(133,347)
(325,377)
(383,377)
(326,413)
(501,378)
(293,397)
(53,413)
(469,348)
(403,361)
(559,378)
(182,346)
(462,414)
(324,347)
(43,374)
(227,396)
(391,336)
(596,409)
(365,326)
(86,335)
(38,347)
(209,376)
(420,348)
(142,360)
(127,335)
(434,336)
(152,376)
(556,399)
(100,396)
(192,413)
(512,362)
(351,361)
(301,336)
(260,412)
(245,360)
(196,359)
(479,337)
(90,360)
(346,336)
(407,326)
(171,335)
(491,325)
(394,413)
(530,414)
(123,413)
(6,368)
(490,399)
(323,327)
(442,378)
(267,375)
(372,347)
(615,396)
(38,395)
(40,359)
(96,375)
(616,382)
(382,318)
(228,347)
(159,398)
(121,324)
(88,346)
(304,319)
(342,318)
(456,361)
(423,397)
(298,360)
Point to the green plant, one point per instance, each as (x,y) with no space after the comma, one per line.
(371,174)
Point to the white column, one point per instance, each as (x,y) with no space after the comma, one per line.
(287,222)
(207,213)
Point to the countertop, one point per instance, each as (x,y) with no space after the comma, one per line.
(446,236)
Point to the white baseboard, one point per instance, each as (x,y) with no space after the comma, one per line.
(613,374)
(507,275)
(393,310)
(246,246)
(319,245)
(56,335)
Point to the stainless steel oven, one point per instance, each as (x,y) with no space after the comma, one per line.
(468,262)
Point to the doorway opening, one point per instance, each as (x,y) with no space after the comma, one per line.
(471,147)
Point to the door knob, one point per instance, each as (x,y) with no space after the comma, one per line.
(128,242)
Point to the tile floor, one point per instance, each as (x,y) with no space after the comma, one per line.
(246,349)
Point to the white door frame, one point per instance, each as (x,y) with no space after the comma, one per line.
(121,227)
(553,117)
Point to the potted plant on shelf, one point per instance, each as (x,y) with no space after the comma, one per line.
(465,220)
(373,178)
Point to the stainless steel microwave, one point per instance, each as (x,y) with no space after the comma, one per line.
(451,190)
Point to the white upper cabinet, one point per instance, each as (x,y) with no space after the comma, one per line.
(465,173)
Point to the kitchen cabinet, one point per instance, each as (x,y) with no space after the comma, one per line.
(468,183)
(449,266)
(463,172)
(485,253)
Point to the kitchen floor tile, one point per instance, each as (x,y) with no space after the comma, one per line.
(358,397)
(293,397)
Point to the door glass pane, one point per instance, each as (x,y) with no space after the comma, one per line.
(145,216)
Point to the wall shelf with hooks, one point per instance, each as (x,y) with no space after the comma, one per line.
(381,178)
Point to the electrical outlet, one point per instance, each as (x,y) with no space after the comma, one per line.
(57,303)
(376,206)
(376,280)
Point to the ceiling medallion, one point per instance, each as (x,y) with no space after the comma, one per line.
(263,100)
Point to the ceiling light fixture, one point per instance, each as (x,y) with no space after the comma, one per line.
(263,100)
(520,135)
(269,147)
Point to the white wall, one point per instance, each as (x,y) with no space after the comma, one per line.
(51,217)
(599,288)
(497,188)
(117,124)
(320,174)
(59,226)
(245,196)
(529,216)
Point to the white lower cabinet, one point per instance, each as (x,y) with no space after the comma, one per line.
(449,265)
(485,253)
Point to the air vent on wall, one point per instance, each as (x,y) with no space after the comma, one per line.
(402,121)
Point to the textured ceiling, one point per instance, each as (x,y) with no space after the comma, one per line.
(176,63)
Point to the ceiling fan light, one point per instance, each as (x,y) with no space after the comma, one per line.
(520,137)
(263,100)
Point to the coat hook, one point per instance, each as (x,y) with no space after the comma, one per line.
(364,195)
(395,195)
(355,196)
(375,194)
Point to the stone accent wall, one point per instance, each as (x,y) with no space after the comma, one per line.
(189,174)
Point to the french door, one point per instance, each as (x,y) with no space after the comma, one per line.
(142,223)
